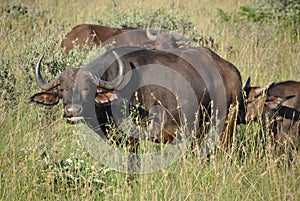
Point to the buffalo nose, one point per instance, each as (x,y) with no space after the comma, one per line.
(73,110)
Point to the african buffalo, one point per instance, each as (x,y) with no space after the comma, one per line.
(96,35)
(89,34)
(279,106)
(195,80)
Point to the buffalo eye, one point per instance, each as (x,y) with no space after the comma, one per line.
(63,90)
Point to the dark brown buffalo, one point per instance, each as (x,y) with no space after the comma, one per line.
(278,104)
(197,77)
(95,35)
(89,35)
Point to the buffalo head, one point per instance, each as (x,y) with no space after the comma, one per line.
(277,104)
(164,41)
(73,86)
(257,100)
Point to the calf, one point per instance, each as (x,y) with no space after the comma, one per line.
(279,106)
(89,35)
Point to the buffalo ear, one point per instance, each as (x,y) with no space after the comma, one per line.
(274,102)
(45,98)
(105,97)
(248,85)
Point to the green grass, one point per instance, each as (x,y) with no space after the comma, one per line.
(41,156)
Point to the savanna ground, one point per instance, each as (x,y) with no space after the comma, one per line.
(41,155)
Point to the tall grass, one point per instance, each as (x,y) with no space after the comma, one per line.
(41,156)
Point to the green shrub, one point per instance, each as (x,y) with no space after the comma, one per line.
(267,10)
(283,15)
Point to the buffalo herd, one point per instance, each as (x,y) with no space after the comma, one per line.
(170,84)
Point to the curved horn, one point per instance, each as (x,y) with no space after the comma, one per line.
(118,80)
(148,32)
(180,36)
(39,79)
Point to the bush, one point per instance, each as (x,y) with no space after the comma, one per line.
(283,15)
(266,10)
(273,10)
